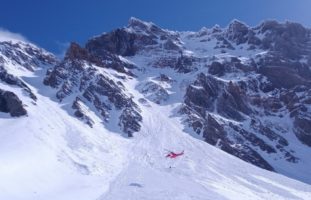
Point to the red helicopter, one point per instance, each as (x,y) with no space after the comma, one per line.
(172,154)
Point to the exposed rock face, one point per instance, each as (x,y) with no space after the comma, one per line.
(303,129)
(229,104)
(217,68)
(13,80)
(79,75)
(16,59)
(232,103)
(202,94)
(296,102)
(269,91)
(24,56)
(136,37)
(237,32)
(283,77)
(104,59)
(10,103)
(81,112)
(289,40)
(130,119)
(208,95)
(119,42)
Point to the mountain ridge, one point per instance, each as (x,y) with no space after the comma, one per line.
(245,90)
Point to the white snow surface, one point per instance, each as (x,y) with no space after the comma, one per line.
(50,155)
(6,35)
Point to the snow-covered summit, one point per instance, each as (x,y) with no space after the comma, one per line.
(139,24)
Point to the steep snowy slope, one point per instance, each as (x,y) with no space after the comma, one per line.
(48,154)
(203,173)
(98,124)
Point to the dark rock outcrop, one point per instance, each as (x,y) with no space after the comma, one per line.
(22,56)
(26,55)
(283,77)
(80,112)
(120,42)
(232,102)
(303,129)
(76,76)
(289,39)
(217,68)
(136,37)
(10,103)
(215,134)
(105,59)
(237,32)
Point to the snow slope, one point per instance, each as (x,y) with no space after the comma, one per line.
(203,173)
(51,155)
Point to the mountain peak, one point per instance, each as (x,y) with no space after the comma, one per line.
(237,24)
(137,23)
(236,21)
(76,51)
(216,28)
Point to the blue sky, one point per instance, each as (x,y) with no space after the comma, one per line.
(52,24)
